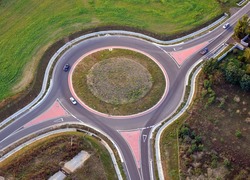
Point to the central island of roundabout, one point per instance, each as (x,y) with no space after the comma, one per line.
(116,82)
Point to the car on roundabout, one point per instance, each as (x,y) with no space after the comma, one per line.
(73,100)
(66,67)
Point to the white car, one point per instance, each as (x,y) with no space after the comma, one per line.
(226,26)
(73,100)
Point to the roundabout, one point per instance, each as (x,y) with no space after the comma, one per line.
(118,82)
(131,132)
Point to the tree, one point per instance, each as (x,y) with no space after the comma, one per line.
(209,66)
(247,55)
(241,29)
(233,73)
(248,68)
(245,82)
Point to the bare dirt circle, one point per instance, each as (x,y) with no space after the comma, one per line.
(119,80)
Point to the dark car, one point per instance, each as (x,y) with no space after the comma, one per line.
(66,67)
(204,51)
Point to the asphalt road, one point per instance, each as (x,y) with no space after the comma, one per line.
(176,85)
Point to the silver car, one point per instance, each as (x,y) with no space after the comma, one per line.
(226,26)
(73,100)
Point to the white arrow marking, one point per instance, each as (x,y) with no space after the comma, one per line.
(59,120)
(144,137)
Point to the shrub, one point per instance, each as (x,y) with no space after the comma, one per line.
(206,83)
(248,68)
(247,55)
(245,82)
(184,131)
(203,93)
(209,66)
(233,73)
(227,163)
(210,100)
(235,51)
(238,134)
(214,163)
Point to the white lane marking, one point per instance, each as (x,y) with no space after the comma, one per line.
(143,128)
(177,49)
(59,120)
(167,54)
(144,136)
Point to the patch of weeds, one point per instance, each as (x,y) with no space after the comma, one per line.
(238,134)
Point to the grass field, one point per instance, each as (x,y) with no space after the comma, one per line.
(43,158)
(29,27)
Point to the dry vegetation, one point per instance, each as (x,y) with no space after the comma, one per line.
(224,129)
(119,81)
(45,157)
(214,142)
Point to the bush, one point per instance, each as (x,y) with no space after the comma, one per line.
(233,73)
(235,51)
(210,100)
(248,68)
(245,82)
(238,134)
(184,131)
(247,55)
(214,163)
(203,93)
(206,83)
(209,66)
(227,163)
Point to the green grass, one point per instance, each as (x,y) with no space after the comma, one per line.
(169,150)
(27,27)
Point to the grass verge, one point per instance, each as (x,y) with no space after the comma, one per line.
(169,145)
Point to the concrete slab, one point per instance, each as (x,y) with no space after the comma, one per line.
(58,176)
(76,162)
